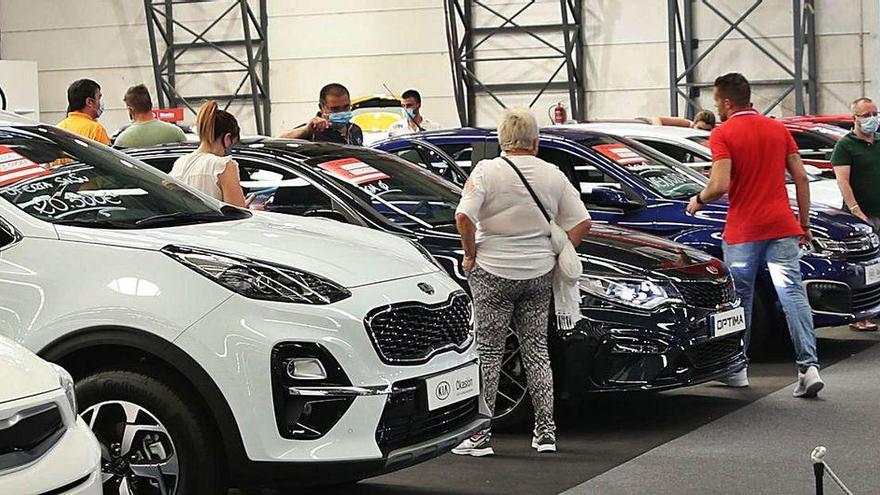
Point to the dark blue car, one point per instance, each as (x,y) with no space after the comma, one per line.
(627,184)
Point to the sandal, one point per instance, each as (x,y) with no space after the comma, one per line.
(863,326)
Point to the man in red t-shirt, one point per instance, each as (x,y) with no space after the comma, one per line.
(750,155)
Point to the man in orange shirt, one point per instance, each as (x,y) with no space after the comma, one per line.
(84,106)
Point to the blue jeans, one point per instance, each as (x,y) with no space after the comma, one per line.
(782,258)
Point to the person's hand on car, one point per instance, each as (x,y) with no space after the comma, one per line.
(694,206)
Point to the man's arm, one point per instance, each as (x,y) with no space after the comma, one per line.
(719,182)
(849,197)
(301,132)
(802,184)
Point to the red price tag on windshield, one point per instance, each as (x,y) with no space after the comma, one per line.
(15,168)
(354,171)
(619,154)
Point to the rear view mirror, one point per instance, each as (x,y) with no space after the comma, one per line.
(611,197)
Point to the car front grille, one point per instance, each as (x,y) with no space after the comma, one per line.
(403,425)
(411,333)
(28,434)
(710,295)
(714,351)
(865,298)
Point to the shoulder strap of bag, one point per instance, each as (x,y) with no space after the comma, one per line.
(528,187)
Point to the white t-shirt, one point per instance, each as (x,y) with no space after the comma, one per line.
(513,237)
(201,171)
(402,127)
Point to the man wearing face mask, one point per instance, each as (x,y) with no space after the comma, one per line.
(856,160)
(333,120)
(413,120)
(84,106)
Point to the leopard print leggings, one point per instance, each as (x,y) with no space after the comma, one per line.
(497,302)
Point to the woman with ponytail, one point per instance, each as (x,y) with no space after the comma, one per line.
(210,169)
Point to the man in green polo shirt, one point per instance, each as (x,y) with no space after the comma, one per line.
(145,128)
(856,160)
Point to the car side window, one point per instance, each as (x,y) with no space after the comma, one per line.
(281,191)
(677,153)
(805,141)
(462,153)
(432,161)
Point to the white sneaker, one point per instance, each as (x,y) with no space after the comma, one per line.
(477,446)
(809,383)
(740,379)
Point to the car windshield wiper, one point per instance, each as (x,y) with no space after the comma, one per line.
(96,224)
(179,217)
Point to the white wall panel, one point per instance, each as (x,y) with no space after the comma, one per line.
(402,43)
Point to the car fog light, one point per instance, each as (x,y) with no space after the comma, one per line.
(306,368)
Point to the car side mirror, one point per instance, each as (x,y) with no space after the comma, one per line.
(328,214)
(611,197)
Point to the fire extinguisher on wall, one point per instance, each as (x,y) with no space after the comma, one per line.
(558,114)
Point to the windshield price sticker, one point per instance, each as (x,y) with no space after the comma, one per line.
(16,168)
(620,154)
(353,171)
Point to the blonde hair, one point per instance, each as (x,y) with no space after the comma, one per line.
(212,123)
(706,117)
(517,130)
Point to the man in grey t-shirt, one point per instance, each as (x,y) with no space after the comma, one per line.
(145,128)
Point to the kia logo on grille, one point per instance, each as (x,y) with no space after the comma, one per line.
(426,288)
(711,269)
(442,391)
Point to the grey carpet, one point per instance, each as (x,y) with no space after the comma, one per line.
(765,446)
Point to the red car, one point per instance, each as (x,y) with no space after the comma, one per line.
(815,141)
(842,120)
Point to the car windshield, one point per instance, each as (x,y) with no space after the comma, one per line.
(403,193)
(59,178)
(662,176)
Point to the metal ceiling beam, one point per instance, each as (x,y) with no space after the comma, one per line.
(466,56)
(174,42)
(684,83)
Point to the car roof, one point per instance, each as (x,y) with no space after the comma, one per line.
(643,130)
(295,146)
(11,119)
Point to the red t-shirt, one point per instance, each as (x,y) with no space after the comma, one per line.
(757,147)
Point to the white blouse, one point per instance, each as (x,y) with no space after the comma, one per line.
(512,235)
(201,171)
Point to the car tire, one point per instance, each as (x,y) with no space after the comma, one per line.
(168,440)
(770,336)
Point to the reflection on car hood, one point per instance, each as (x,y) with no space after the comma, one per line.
(624,252)
(349,255)
(24,374)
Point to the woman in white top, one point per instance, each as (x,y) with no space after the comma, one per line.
(210,169)
(510,261)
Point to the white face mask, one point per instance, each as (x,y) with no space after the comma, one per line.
(869,125)
(100,108)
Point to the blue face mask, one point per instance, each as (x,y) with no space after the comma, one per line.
(410,113)
(869,125)
(339,119)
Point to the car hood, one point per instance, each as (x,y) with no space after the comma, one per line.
(24,374)
(348,255)
(623,252)
(826,221)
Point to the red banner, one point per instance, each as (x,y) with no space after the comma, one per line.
(15,168)
(619,153)
(168,114)
(353,171)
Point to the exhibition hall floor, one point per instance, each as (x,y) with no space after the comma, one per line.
(705,439)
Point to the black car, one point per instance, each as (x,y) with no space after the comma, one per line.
(652,306)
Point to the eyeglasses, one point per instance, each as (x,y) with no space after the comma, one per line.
(867,114)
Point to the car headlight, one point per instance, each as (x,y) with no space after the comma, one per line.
(67,383)
(642,294)
(258,279)
(427,254)
(825,248)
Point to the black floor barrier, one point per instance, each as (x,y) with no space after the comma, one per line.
(819,470)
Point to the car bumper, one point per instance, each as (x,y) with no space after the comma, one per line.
(658,351)
(234,343)
(72,466)
(837,291)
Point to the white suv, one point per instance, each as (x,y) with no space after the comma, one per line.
(215,346)
(44,446)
